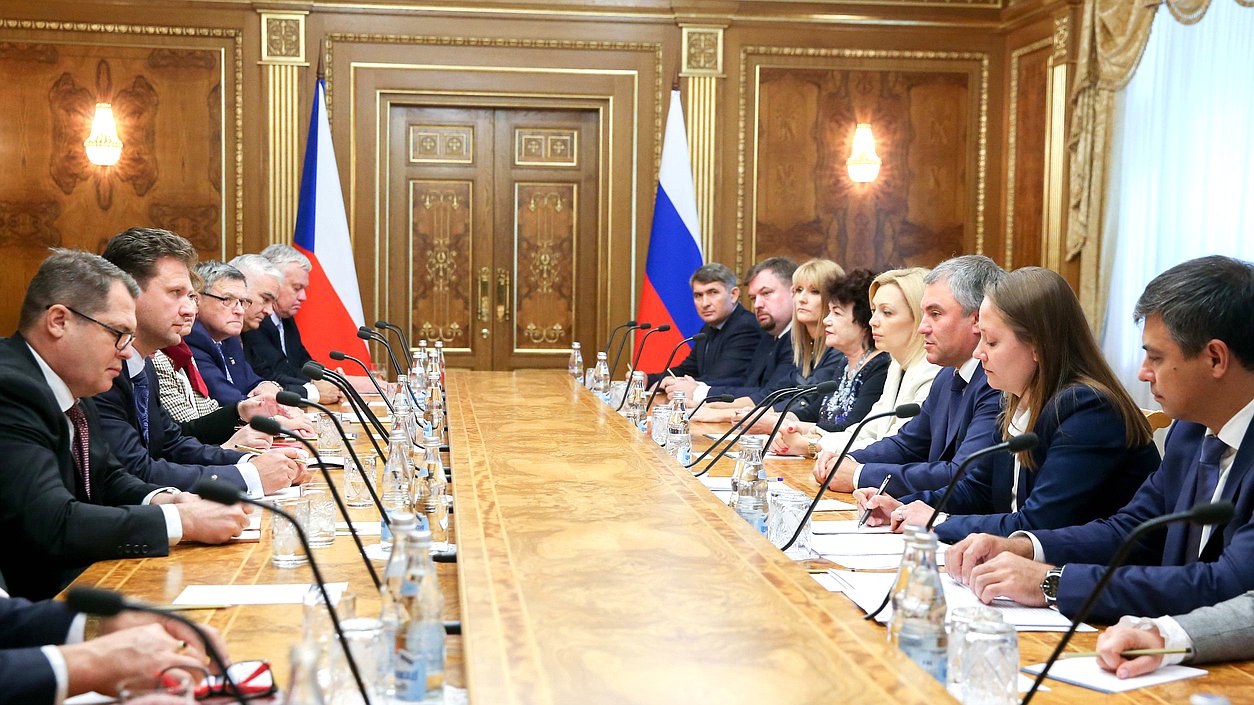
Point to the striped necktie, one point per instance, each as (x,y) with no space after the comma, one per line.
(80,448)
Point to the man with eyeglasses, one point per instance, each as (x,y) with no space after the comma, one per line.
(265,282)
(141,433)
(65,500)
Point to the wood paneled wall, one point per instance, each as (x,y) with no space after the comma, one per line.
(953,90)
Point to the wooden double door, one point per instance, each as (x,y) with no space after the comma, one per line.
(495,214)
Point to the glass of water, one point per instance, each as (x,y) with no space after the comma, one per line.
(984,658)
(286,549)
(659,422)
(785,512)
(356,494)
(321,526)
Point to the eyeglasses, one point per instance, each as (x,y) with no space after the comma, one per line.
(124,338)
(253,678)
(229,301)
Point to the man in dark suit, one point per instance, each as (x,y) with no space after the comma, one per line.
(959,415)
(732,332)
(44,657)
(769,283)
(272,340)
(65,501)
(1199,361)
(215,342)
(142,435)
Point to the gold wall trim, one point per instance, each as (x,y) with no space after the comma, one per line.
(889,54)
(1012,140)
(702,147)
(236,38)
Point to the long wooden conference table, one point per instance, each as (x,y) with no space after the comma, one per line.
(594,569)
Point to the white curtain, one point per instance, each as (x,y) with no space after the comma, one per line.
(1182,185)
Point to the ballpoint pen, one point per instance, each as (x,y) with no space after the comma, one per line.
(867,514)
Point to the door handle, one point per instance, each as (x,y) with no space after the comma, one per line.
(502,294)
(485,277)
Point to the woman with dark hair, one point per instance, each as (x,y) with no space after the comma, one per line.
(861,373)
(1095,447)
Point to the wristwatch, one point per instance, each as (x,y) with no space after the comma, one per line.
(1049,586)
(814,448)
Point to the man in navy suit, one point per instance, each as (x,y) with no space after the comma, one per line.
(769,283)
(732,332)
(959,415)
(45,658)
(215,342)
(141,434)
(1199,362)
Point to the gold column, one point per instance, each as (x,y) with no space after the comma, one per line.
(1056,191)
(283,55)
(703,67)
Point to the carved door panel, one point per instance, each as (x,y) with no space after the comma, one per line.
(491,231)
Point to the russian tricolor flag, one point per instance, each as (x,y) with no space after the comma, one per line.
(332,314)
(674,249)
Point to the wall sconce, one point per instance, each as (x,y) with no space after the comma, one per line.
(863,163)
(103,146)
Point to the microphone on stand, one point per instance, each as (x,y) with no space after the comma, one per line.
(107,603)
(904,411)
(613,333)
(313,371)
(724,398)
(822,389)
(266,424)
(750,418)
(397,330)
(626,336)
(369,334)
(337,355)
(1026,441)
(640,351)
(1203,513)
(222,493)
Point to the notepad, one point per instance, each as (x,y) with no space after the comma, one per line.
(1085,673)
(290,594)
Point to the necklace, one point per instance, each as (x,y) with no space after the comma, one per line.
(841,401)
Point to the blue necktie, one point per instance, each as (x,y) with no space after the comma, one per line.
(226,368)
(956,388)
(141,402)
(1207,479)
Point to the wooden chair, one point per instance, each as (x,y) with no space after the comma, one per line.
(1157,419)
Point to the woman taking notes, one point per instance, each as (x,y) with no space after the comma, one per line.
(1095,447)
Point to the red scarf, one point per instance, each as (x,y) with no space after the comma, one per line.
(181,357)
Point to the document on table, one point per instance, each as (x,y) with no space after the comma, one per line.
(834,505)
(284,493)
(292,594)
(252,532)
(777,456)
(849,526)
(364,528)
(1085,673)
(868,589)
(331,460)
(859,544)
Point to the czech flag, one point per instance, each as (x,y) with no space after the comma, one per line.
(331,315)
(674,250)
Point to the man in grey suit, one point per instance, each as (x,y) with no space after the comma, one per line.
(1222,632)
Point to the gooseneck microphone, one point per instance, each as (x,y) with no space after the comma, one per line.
(610,340)
(903,411)
(640,351)
(107,603)
(266,424)
(740,428)
(337,355)
(822,389)
(1018,444)
(222,493)
(369,334)
(623,343)
(717,398)
(397,331)
(313,370)
(1204,513)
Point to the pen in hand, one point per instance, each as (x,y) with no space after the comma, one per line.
(867,514)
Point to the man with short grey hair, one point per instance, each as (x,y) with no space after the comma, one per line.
(265,334)
(959,415)
(65,501)
(731,331)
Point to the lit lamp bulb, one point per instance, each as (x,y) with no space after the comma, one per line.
(863,163)
(103,146)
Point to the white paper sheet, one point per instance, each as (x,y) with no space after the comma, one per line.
(775,456)
(828,582)
(863,544)
(364,528)
(848,526)
(1085,673)
(834,505)
(868,589)
(290,594)
(284,493)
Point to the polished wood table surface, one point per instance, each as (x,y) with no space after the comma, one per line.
(594,569)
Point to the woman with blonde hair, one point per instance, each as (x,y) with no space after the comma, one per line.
(896,312)
(1095,447)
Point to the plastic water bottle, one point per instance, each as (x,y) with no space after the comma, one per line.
(429,499)
(633,406)
(418,664)
(748,460)
(575,366)
(402,395)
(435,420)
(418,377)
(391,613)
(918,623)
(396,474)
(439,361)
(751,494)
(678,440)
(601,378)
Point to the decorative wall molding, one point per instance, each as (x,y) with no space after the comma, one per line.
(1012,140)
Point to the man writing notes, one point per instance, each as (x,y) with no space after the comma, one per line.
(65,501)
(960,413)
(1199,361)
(1222,632)
(732,331)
